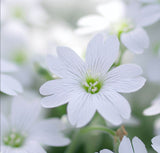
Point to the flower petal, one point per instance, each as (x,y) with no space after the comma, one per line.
(125,78)
(91,24)
(154,109)
(74,65)
(54,100)
(101,53)
(52,87)
(8,66)
(108,10)
(9,85)
(120,103)
(105,151)
(108,110)
(33,147)
(56,66)
(81,109)
(6,149)
(49,133)
(52,140)
(125,71)
(156,143)
(87,30)
(148,15)
(136,40)
(58,91)
(125,146)
(138,146)
(4,125)
(92,20)
(24,113)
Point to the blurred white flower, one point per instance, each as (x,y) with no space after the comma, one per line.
(14,42)
(150,60)
(64,35)
(9,85)
(125,146)
(154,109)
(28,11)
(127,22)
(156,143)
(23,132)
(45,41)
(87,86)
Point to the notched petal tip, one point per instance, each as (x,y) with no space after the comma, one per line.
(45,104)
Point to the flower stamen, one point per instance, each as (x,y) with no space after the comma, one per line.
(14,139)
(92,85)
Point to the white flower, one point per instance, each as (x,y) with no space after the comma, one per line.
(156,143)
(125,146)
(22,132)
(87,86)
(127,22)
(9,85)
(16,35)
(150,60)
(28,11)
(154,109)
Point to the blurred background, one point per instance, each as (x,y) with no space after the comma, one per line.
(32,29)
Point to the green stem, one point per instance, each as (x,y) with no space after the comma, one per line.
(71,148)
(116,145)
(120,58)
(99,128)
(122,50)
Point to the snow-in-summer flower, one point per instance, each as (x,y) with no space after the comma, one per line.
(137,146)
(156,143)
(9,84)
(150,60)
(154,109)
(127,22)
(16,35)
(27,11)
(23,132)
(89,86)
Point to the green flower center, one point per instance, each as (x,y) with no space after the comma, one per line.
(14,139)
(156,49)
(18,12)
(92,85)
(122,27)
(19,56)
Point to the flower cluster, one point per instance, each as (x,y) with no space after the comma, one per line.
(58,99)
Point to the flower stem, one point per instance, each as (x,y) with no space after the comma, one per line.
(99,128)
(120,58)
(72,147)
(116,144)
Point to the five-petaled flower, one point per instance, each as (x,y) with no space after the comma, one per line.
(24,131)
(91,86)
(125,20)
